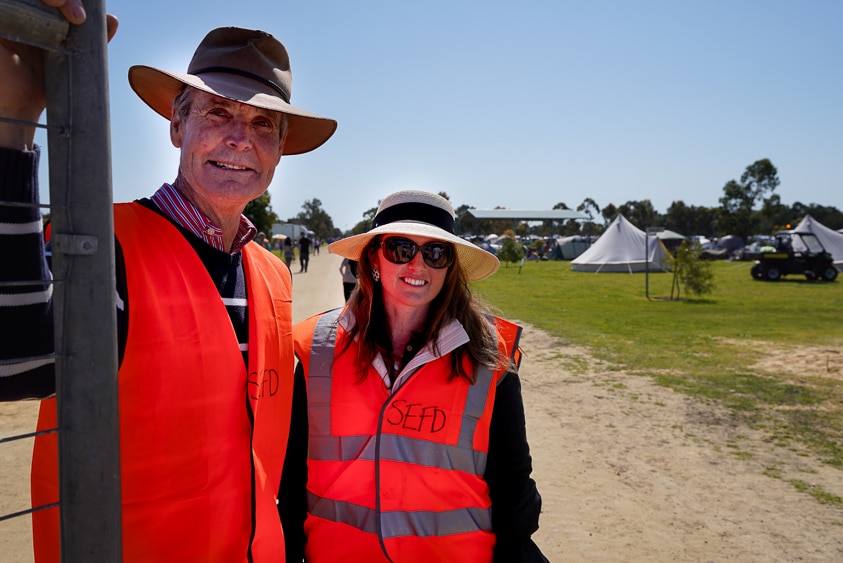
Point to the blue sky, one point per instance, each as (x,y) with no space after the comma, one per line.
(519,104)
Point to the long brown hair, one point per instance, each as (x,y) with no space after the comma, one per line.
(454,302)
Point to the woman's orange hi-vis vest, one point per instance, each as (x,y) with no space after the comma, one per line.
(202,440)
(396,476)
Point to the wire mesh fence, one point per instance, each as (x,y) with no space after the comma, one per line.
(83,276)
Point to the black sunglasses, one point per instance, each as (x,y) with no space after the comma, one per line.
(401,250)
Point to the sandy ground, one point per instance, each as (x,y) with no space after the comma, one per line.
(629,471)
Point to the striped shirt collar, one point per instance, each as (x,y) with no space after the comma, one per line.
(184,213)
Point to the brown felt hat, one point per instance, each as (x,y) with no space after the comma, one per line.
(245,65)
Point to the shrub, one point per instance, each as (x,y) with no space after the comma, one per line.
(694,274)
(510,251)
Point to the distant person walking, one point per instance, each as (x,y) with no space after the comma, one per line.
(348,269)
(304,252)
(288,252)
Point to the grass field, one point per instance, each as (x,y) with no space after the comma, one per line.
(702,346)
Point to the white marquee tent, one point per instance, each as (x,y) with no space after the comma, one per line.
(621,249)
(831,239)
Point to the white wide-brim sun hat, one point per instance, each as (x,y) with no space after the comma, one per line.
(422,214)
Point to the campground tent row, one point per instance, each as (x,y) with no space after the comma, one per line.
(621,247)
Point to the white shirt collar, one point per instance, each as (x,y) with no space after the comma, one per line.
(451,337)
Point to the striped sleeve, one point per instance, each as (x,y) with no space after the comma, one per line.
(26,320)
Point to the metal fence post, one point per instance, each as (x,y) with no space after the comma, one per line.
(83,268)
(83,257)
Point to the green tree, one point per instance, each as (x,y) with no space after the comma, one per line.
(260,213)
(761,177)
(677,218)
(739,199)
(590,209)
(315,219)
(570,227)
(694,274)
(365,225)
(735,210)
(609,213)
(511,250)
(829,216)
(773,216)
(642,214)
(465,220)
(691,220)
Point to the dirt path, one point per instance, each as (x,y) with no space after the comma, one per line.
(629,471)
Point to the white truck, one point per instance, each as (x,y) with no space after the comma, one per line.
(291,230)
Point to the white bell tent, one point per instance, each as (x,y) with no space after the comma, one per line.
(831,239)
(621,249)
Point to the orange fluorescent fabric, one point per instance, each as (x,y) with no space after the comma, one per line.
(202,438)
(396,461)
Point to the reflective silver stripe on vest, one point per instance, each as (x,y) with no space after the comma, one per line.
(319,374)
(325,447)
(360,517)
(443,456)
(397,448)
(399,523)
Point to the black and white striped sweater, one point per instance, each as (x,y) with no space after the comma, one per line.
(26,324)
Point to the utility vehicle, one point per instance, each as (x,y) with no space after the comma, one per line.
(795,252)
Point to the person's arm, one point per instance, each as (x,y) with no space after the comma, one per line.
(26,324)
(22,80)
(516,503)
(26,320)
(26,316)
(292,494)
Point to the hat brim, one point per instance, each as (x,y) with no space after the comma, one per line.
(475,262)
(157,88)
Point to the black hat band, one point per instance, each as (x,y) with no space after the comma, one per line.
(246,74)
(414,211)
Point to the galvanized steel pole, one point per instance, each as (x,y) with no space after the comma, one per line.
(84,300)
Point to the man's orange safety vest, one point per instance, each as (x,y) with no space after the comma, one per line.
(202,439)
(396,475)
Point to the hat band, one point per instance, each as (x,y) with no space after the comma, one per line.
(414,211)
(246,74)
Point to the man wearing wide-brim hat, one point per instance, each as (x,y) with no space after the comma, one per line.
(204,313)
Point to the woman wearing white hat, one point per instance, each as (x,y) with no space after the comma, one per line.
(417,440)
